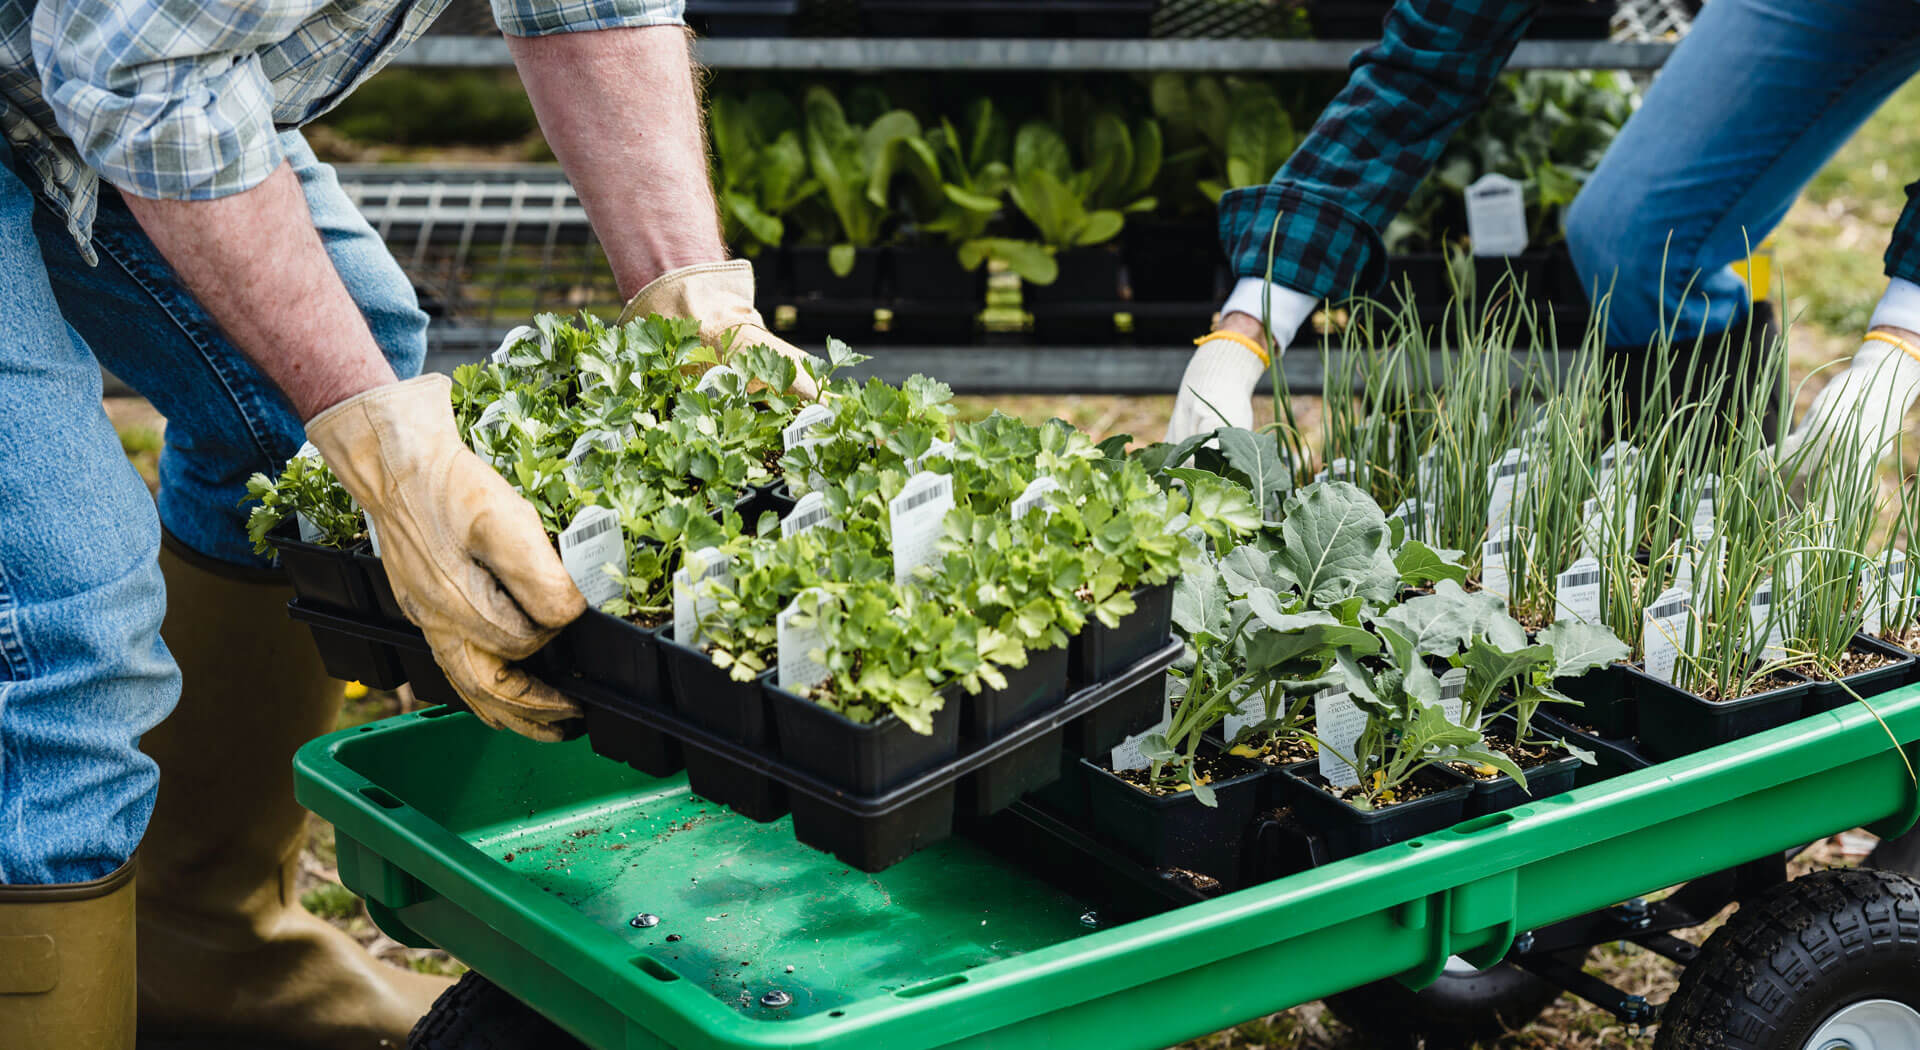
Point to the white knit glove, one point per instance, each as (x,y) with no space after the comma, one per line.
(1217,389)
(1858,413)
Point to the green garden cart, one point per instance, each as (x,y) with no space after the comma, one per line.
(629,914)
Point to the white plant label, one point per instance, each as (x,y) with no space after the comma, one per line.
(1703,510)
(1420,517)
(1683,565)
(1251,711)
(513,338)
(797,668)
(1034,497)
(1338,722)
(713,377)
(1340,469)
(1883,588)
(802,430)
(1593,530)
(1768,630)
(1497,215)
(693,598)
(1127,754)
(1493,570)
(605,440)
(915,518)
(1453,686)
(1665,632)
(1504,479)
(1426,474)
(1615,459)
(309,532)
(1896,585)
(492,419)
(592,542)
(941,449)
(1576,592)
(810,512)
(373,534)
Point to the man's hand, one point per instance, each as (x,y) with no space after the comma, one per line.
(1217,389)
(1856,415)
(720,295)
(468,558)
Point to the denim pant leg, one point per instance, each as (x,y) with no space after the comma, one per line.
(225,419)
(1753,102)
(83,672)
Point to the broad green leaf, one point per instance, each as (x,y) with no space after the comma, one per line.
(1580,647)
(1334,541)
(1420,564)
(1099,227)
(1257,457)
(840,259)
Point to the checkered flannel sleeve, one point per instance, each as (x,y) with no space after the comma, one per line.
(541,17)
(1322,213)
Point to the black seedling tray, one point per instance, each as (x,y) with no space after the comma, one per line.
(1615,755)
(1177,831)
(1496,794)
(869,831)
(326,577)
(1348,831)
(1098,650)
(1675,723)
(706,695)
(1030,690)
(1606,700)
(354,650)
(1833,696)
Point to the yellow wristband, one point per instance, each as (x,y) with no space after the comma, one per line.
(1235,337)
(1894,340)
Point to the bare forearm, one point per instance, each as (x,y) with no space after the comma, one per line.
(255,262)
(620,110)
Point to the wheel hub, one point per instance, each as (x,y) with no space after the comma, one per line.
(1872,1024)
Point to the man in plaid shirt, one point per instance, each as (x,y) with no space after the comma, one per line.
(1750,105)
(160,215)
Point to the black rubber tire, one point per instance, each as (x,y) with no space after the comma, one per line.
(476,1014)
(1457,1010)
(1793,956)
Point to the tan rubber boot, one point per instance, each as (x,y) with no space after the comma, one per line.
(226,950)
(66,964)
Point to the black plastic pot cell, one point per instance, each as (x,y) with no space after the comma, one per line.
(742,17)
(1674,722)
(1176,274)
(1096,734)
(1348,831)
(1543,781)
(380,589)
(622,737)
(1614,757)
(707,696)
(933,297)
(1079,306)
(1037,687)
(1504,277)
(351,658)
(1100,652)
(1834,696)
(608,652)
(1606,701)
(323,577)
(1177,831)
(827,304)
(758,501)
(1422,277)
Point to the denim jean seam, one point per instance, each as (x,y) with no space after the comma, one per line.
(243,405)
(13,644)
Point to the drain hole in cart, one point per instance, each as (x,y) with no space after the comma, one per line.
(914,991)
(654,968)
(380,798)
(1491,820)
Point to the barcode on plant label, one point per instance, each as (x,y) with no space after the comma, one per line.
(795,648)
(1034,497)
(1493,570)
(594,553)
(1703,510)
(1340,469)
(605,440)
(1338,722)
(1453,686)
(1766,625)
(714,376)
(1576,592)
(915,517)
(693,593)
(1666,632)
(811,512)
(801,430)
(1504,480)
(499,356)
(940,449)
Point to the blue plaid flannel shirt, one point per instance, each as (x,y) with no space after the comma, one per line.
(1370,149)
(184,99)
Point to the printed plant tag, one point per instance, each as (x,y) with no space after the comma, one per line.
(802,430)
(810,512)
(1665,632)
(1338,722)
(1504,479)
(1576,592)
(1422,519)
(1683,565)
(1034,497)
(915,518)
(1884,588)
(1497,216)
(1615,459)
(1250,711)
(1453,686)
(713,377)
(693,598)
(1340,469)
(373,534)
(513,338)
(1426,474)
(592,542)
(1593,530)
(1703,510)
(797,668)
(492,420)
(604,440)
(1493,570)
(309,532)
(1768,630)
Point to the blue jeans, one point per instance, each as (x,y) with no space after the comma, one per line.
(1753,102)
(83,672)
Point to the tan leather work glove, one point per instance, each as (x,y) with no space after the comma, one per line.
(720,295)
(468,558)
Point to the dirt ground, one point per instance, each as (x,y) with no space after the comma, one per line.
(1828,259)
